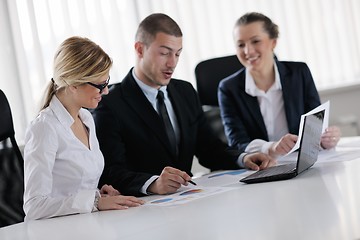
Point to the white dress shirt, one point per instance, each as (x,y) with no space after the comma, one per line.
(61,173)
(272,110)
(151,94)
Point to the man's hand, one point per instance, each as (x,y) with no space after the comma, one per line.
(170,181)
(257,161)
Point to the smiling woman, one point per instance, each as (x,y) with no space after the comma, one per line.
(62,159)
(324,34)
(278,93)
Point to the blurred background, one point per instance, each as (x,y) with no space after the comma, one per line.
(323,33)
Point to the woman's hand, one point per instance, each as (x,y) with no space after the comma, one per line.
(257,161)
(108,190)
(118,202)
(330,137)
(283,146)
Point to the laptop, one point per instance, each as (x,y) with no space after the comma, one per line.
(307,154)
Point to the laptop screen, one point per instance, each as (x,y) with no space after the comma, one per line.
(310,142)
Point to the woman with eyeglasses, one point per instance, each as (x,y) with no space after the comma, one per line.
(63,162)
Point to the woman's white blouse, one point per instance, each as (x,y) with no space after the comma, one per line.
(61,173)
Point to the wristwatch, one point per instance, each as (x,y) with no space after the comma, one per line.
(96,201)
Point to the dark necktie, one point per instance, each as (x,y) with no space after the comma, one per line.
(166,120)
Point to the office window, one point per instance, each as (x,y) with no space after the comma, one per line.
(323,33)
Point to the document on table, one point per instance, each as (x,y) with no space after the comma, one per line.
(349,142)
(325,106)
(207,185)
(221,178)
(185,196)
(328,155)
(339,155)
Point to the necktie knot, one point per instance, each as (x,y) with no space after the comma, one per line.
(160,95)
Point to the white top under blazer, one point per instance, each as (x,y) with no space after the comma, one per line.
(61,174)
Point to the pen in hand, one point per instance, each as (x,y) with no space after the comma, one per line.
(193,183)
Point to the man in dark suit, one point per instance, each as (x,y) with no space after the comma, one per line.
(141,155)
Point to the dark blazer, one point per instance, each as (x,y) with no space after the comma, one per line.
(134,142)
(241,113)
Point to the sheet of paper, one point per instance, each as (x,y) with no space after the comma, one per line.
(221,178)
(340,154)
(349,142)
(325,106)
(207,185)
(188,195)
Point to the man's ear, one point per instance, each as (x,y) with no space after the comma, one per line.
(274,44)
(139,49)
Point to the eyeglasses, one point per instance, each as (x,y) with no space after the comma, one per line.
(100,86)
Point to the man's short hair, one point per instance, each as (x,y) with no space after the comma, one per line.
(155,23)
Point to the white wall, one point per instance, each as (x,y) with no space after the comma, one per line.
(344,108)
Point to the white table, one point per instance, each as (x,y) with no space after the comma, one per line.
(321,203)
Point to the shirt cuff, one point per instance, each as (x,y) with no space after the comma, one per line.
(84,201)
(147,184)
(259,145)
(240,160)
(266,147)
(96,201)
(255,145)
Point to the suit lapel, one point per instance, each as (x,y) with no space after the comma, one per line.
(252,105)
(136,99)
(287,93)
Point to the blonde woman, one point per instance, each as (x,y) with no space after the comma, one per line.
(63,162)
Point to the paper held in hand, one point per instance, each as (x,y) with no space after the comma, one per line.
(325,106)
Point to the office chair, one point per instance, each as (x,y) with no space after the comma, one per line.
(208,74)
(11,169)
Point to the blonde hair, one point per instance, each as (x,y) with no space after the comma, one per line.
(77,60)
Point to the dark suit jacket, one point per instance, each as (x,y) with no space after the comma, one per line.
(241,113)
(134,142)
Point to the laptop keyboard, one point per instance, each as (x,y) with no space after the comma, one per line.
(272,171)
(286,168)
